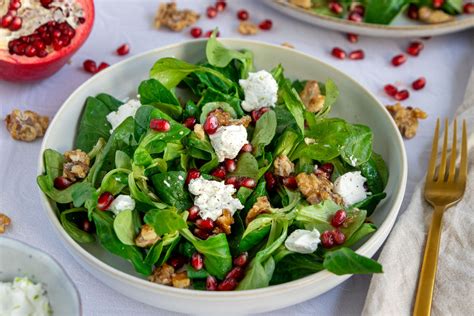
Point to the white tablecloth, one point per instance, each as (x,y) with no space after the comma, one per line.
(446,63)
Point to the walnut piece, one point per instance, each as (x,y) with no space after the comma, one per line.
(305,4)
(247,28)
(181,280)
(162,275)
(433,16)
(174,19)
(147,237)
(283,166)
(76,165)
(286,44)
(225,119)
(26,126)
(4,222)
(199,131)
(312,97)
(224,223)
(406,118)
(317,188)
(261,206)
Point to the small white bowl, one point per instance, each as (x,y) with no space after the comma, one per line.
(18,259)
(355,104)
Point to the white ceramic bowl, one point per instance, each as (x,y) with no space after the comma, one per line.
(355,104)
(18,259)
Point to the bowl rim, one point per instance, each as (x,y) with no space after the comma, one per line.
(368,248)
(22,246)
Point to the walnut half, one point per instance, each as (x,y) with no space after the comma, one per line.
(224,223)
(317,188)
(76,165)
(176,20)
(247,28)
(406,118)
(312,97)
(26,126)
(147,237)
(4,222)
(261,206)
(283,166)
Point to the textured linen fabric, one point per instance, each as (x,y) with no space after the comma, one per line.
(394,291)
(445,62)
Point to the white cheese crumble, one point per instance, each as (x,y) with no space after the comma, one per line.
(23,297)
(309,141)
(125,110)
(228,141)
(260,90)
(212,197)
(122,203)
(350,186)
(303,241)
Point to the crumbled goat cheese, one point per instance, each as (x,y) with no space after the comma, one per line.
(350,186)
(212,197)
(303,241)
(260,90)
(309,141)
(122,203)
(228,141)
(23,297)
(125,110)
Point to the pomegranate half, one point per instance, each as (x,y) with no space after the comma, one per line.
(37,37)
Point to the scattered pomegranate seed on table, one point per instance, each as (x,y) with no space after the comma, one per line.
(221,5)
(211,12)
(266,25)
(468,8)
(338,53)
(219,172)
(196,32)
(193,173)
(390,89)
(102,66)
(357,54)
(123,50)
(402,95)
(193,213)
(209,33)
(230,165)
(90,66)
(335,7)
(197,261)
(419,83)
(104,201)
(211,283)
(353,38)
(338,218)
(160,125)
(338,237)
(242,15)
(415,48)
(398,60)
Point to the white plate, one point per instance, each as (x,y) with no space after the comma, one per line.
(402,26)
(355,104)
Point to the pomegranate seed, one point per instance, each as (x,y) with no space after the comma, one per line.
(57,44)
(419,83)
(160,125)
(402,95)
(177,262)
(266,25)
(338,237)
(211,125)
(270,181)
(355,16)
(415,48)
(123,50)
(211,283)
(196,32)
(321,173)
(56,33)
(197,261)
(39,44)
(87,226)
(233,181)
(242,15)
(62,183)
(6,20)
(102,66)
(398,60)
(290,182)
(335,7)
(30,51)
(209,33)
(248,183)
(257,114)
(241,260)
(15,24)
(468,8)
(359,9)
(390,89)
(338,218)
(236,273)
(219,172)
(230,165)
(357,54)
(205,224)
(14,5)
(438,4)
(247,148)
(221,5)
(327,167)
(90,66)
(41,53)
(104,201)
(202,234)
(338,53)
(46,3)
(19,49)
(412,12)
(193,213)
(193,173)
(353,38)
(190,122)
(211,12)
(327,239)
(227,285)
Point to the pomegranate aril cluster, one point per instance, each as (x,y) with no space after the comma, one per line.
(10,20)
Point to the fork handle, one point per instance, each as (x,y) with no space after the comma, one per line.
(424,294)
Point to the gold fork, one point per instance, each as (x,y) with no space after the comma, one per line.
(442,190)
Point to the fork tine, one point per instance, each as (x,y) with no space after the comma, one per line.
(452,160)
(463,166)
(444,153)
(434,154)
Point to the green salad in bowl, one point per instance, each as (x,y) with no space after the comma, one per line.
(219,176)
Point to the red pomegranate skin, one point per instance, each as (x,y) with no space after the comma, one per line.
(21,68)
